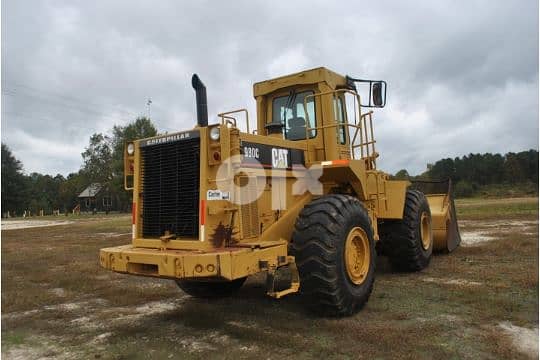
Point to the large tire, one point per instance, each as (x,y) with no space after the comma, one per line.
(331,233)
(210,289)
(409,241)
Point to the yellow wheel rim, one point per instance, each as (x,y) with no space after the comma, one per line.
(357,255)
(425,230)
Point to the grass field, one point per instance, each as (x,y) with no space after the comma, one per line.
(479,302)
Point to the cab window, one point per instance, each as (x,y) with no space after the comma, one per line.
(289,111)
(340,113)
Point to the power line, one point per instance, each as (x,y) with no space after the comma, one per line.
(39,118)
(48,119)
(73,103)
(46,93)
(50,102)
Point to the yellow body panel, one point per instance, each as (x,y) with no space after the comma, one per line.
(239,240)
(227,264)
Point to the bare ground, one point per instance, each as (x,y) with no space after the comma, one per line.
(25,224)
(479,302)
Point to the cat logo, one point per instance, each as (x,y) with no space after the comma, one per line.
(280,158)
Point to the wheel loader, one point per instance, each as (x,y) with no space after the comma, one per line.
(301,194)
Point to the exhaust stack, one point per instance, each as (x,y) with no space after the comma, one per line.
(200,96)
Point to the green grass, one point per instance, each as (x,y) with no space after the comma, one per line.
(507,190)
(496,208)
(13,338)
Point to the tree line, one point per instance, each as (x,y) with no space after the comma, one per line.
(472,172)
(102,163)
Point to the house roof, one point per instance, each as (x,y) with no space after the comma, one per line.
(91,191)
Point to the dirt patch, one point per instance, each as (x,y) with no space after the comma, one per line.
(487,202)
(102,318)
(442,317)
(38,348)
(496,223)
(458,282)
(73,306)
(58,292)
(21,314)
(25,224)
(241,324)
(193,345)
(525,340)
(24,353)
(474,232)
(472,238)
(101,338)
(112,234)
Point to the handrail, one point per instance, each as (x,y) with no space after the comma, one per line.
(223,117)
(360,125)
(228,120)
(126,187)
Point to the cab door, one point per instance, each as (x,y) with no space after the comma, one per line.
(342,130)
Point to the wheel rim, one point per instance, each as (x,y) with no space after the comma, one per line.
(357,255)
(425,230)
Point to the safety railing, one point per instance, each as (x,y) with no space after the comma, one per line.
(226,117)
(367,139)
(362,141)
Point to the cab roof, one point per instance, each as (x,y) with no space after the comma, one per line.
(312,76)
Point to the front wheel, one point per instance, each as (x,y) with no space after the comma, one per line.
(335,253)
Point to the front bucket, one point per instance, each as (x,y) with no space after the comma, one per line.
(446,236)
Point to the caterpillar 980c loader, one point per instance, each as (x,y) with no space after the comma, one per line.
(214,204)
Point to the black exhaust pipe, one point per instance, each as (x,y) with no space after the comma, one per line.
(200,95)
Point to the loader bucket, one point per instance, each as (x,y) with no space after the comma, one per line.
(446,236)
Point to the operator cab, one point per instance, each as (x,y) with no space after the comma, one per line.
(312,105)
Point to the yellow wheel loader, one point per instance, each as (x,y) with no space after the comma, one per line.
(218,203)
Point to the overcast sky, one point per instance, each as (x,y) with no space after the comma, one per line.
(462,75)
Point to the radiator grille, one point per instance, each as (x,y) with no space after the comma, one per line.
(170,188)
(249,211)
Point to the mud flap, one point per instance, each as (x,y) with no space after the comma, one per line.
(446,236)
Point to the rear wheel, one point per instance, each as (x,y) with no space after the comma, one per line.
(335,254)
(409,241)
(210,289)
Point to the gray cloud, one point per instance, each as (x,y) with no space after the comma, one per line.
(463,76)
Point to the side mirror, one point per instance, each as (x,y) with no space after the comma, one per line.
(373,90)
(379,98)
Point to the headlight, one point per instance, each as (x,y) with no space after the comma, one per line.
(214,133)
(130,149)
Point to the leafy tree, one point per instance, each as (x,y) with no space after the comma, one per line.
(402,175)
(104,161)
(97,159)
(141,128)
(521,167)
(43,191)
(443,169)
(475,170)
(463,189)
(14,187)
